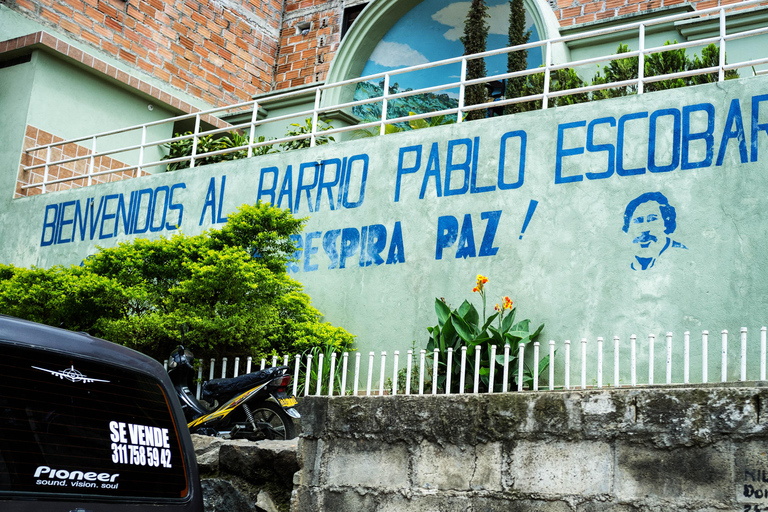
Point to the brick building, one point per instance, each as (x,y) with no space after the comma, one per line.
(89,66)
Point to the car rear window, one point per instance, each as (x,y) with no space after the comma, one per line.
(79,427)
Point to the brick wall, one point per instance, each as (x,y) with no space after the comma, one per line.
(573,12)
(222,51)
(35,137)
(305,55)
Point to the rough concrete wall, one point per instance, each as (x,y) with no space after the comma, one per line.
(701,449)
(243,476)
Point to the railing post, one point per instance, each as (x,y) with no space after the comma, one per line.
(547,63)
(476,387)
(237,367)
(370,373)
(296,374)
(212,369)
(599,362)
(344,363)
(669,358)
(435,357)
(194,141)
(223,367)
(567,372)
(252,134)
(449,371)
(721,64)
(551,365)
(535,365)
(724,358)
(199,382)
(505,378)
(520,365)
(319,387)
(355,386)
(686,357)
(141,149)
(651,340)
(315,117)
(763,332)
(491,370)
(409,365)
(333,374)
(422,368)
(633,360)
(274,361)
(704,357)
(641,60)
(743,354)
(395,362)
(583,363)
(462,91)
(45,173)
(463,369)
(384,106)
(381,373)
(616,373)
(308,375)
(92,161)
(248,363)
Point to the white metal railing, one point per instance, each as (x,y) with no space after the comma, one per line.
(319,107)
(310,377)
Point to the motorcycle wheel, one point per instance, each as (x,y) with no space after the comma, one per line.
(273,421)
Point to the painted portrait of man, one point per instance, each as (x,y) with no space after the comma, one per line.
(650,221)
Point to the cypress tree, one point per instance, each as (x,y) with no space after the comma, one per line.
(475,40)
(516,61)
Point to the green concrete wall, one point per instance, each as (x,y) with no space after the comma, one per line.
(71,102)
(14,104)
(547,232)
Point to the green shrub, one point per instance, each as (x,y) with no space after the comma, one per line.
(465,327)
(228,287)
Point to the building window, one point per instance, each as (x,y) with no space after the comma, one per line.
(350,15)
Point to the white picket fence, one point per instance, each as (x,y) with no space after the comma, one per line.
(558,378)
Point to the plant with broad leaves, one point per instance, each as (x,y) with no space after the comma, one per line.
(464,327)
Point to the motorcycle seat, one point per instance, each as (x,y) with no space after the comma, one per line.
(222,390)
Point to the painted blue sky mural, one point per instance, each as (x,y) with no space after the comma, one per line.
(431,32)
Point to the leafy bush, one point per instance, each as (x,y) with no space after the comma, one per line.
(655,64)
(208,144)
(306,129)
(465,326)
(228,287)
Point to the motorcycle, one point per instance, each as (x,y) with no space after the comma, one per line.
(253,406)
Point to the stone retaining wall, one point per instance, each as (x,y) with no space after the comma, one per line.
(693,449)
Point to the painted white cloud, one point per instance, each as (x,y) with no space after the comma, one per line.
(396,55)
(454,15)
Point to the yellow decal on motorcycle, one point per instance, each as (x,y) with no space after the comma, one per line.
(225,409)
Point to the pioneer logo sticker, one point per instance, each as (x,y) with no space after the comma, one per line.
(70,374)
(85,479)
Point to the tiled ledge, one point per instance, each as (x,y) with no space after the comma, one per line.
(44,39)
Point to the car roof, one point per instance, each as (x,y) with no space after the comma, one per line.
(45,337)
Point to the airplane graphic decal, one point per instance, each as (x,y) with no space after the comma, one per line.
(70,374)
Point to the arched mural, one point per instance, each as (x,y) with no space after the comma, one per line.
(431,32)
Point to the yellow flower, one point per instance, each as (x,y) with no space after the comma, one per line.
(481,280)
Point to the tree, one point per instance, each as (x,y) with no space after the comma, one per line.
(516,61)
(228,287)
(475,40)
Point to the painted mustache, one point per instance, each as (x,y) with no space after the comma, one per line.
(645,239)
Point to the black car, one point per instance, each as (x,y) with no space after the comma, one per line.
(89,426)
